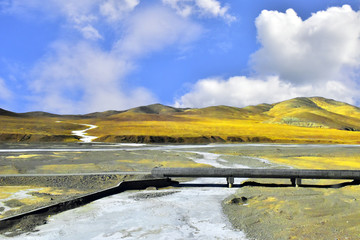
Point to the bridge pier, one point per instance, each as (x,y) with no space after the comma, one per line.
(295,182)
(230,181)
(295,175)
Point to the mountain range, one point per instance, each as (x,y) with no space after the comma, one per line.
(303,120)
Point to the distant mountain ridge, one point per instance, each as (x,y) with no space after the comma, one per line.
(156,109)
(285,121)
(4,112)
(301,111)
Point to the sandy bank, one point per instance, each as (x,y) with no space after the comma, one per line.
(35,138)
(284,212)
(180,139)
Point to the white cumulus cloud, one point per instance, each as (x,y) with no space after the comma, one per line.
(5,92)
(317,49)
(82,15)
(81,76)
(84,78)
(214,8)
(242,91)
(155,28)
(207,8)
(319,56)
(89,32)
(115,10)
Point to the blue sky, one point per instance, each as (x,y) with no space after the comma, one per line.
(67,56)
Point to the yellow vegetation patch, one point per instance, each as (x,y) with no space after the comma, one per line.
(126,161)
(8,170)
(52,191)
(270,199)
(63,153)
(197,126)
(33,200)
(322,162)
(268,204)
(20,195)
(7,191)
(27,197)
(73,191)
(36,125)
(69,168)
(175,163)
(337,107)
(302,120)
(24,156)
(125,165)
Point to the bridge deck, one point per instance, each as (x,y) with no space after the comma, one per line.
(230,173)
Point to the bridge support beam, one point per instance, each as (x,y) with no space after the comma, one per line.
(295,182)
(295,175)
(230,181)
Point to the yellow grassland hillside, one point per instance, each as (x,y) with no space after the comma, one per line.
(298,120)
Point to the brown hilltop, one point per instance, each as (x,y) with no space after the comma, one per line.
(4,112)
(156,109)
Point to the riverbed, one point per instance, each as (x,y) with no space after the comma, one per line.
(194,210)
(83,135)
(175,213)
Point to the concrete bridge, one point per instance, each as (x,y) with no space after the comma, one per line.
(295,175)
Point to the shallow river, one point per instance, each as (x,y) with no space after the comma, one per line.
(178,213)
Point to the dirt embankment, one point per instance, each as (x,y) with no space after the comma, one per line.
(188,140)
(85,182)
(278,211)
(38,138)
(33,138)
(65,187)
